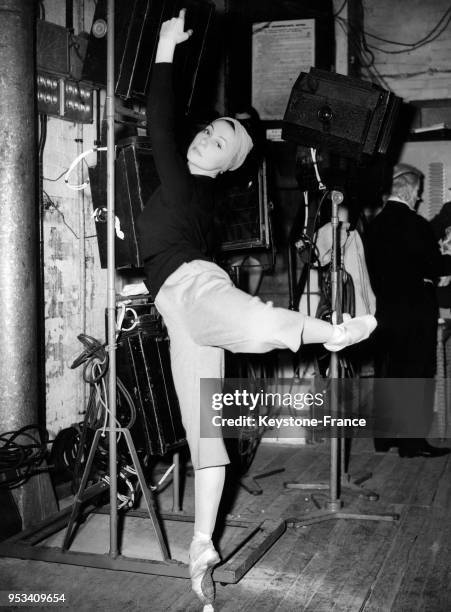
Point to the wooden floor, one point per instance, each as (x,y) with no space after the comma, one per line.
(337,565)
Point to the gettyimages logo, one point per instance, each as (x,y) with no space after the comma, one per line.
(252,400)
(282,407)
(353,407)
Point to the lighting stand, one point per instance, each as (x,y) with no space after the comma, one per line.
(84,493)
(351,485)
(333,506)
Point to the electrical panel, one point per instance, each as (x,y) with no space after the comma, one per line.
(64,98)
(52,47)
(49,94)
(77,102)
(59,91)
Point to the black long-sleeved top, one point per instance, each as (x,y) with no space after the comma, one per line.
(177,224)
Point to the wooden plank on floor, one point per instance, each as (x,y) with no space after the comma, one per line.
(436,595)
(267,459)
(249,505)
(337,576)
(361,551)
(304,462)
(396,478)
(246,503)
(362,445)
(360,463)
(88,589)
(426,582)
(430,473)
(335,554)
(443,492)
(304,466)
(294,462)
(334,566)
(408,481)
(382,592)
(264,587)
(237,500)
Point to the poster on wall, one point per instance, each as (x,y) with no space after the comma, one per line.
(280,51)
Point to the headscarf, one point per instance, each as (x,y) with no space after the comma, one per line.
(241,144)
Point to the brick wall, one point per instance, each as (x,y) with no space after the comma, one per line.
(74,284)
(421,74)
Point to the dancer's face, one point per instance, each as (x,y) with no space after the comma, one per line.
(212,149)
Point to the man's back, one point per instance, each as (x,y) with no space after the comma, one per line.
(402,255)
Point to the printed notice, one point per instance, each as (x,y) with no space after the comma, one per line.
(281,50)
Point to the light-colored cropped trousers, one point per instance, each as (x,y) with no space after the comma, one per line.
(205,314)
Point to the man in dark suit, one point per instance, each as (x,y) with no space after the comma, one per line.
(404,261)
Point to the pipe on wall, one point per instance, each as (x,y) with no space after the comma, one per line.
(19,233)
(19,208)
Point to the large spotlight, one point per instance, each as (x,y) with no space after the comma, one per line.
(343,114)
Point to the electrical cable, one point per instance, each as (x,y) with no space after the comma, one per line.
(404,44)
(163,478)
(21,455)
(335,15)
(93,350)
(428,38)
(367,65)
(312,250)
(95,359)
(73,165)
(420,42)
(42,134)
(49,204)
(54,180)
(399,51)
(321,185)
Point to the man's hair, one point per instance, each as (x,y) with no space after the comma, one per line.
(404,186)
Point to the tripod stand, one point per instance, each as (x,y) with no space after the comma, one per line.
(332,508)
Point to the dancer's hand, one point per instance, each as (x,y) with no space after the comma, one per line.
(174,29)
(350,332)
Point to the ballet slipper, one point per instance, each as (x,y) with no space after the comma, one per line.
(201,569)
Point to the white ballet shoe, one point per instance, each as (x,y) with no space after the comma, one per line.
(200,569)
(350,332)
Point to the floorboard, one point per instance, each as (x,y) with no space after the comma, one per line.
(334,566)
